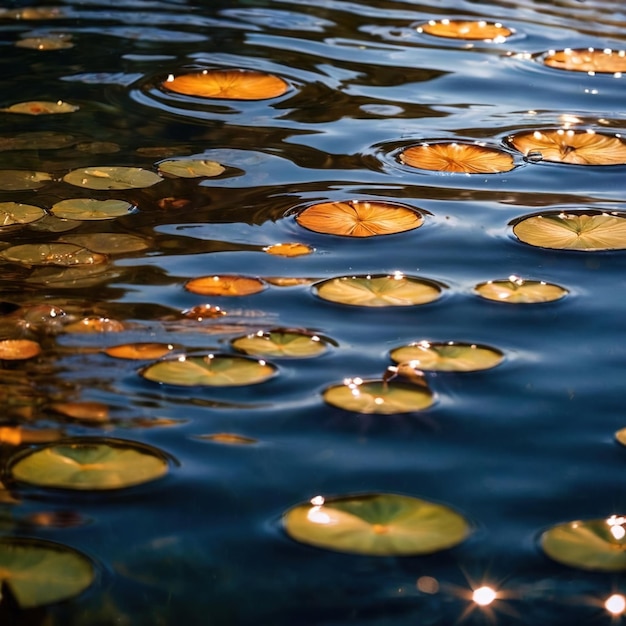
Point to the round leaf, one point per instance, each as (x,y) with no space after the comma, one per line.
(65,254)
(90,209)
(12,213)
(378,291)
(41,572)
(50,42)
(587,60)
(288,249)
(378,397)
(18,349)
(191,168)
(516,290)
(41,107)
(448,357)
(476,30)
(108,243)
(225,285)
(376,524)
(139,350)
(213,370)
(598,544)
(280,343)
(112,178)
(89,464)
(22,180)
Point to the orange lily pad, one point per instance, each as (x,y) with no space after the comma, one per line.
(95,325)
(588,60)
(41,107)
(457,157)
(475,30)
(18,349)
(288,249)
(135,351)
(225,285)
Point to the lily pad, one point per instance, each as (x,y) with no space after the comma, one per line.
(213,370)
(94,325)
(228,438)
(288,249)
(280,343)
(225,285)
(379,291)
(139,350)
(377,524)
(18,349)
(50,42)
(38,572)
(12,213)
(378,397)
(108,243)
(64,254)
(457,157)
(573,230)
(516,290)
(227,84)
(112,178)
(359,218)
(88,209)
(191,168)
(474,30)
(41,107)
(587,60)
(598,544)
(89,464)
(37,140)
(448,357)
(22,180)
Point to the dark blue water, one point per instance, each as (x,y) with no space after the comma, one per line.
(516,449)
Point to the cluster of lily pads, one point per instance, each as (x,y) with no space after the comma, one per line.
(378,524)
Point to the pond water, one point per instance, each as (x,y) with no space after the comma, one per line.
(516,449)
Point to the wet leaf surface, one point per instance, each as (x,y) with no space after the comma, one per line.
(112,178)
(91,209)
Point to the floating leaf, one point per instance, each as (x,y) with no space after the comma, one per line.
(89,464)
(95,325)
(44,140)
(203,312)
(598,544)
(378,397)
(288,249)
(225,285)
(280,343)
(289,281)
(33,13)
(377,524)
(112,178)
(108,243)
(41,572)
(376,291)
(620,435)
(12,213)
(457,157)
(84,411)
(476,30)
(191,168)
(78,277)
(98,147)
(587,60)
(50,42)
(139,350)
(16,435)
(447,357)
(519,291)
(227,84)
(22,180)
(41,107)
(575,230)
(213,370)
(64,254)
(88,209)
(576,147)
(356,218)
(18,349)
(228,438)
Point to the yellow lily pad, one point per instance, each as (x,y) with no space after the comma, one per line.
(280,343)
(447,357)
(22,180)
(378,291)
(12,213)
(41,107)
(89,464)
(573,230)
(64,254)
(378,524)
(90,209)
(38,572)
(598,544)
(378,397)
(112,178)
(516,290)
(191,168)
(213,370)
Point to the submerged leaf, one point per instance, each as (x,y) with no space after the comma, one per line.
(575,147)
(22,180)
(228,438)
(213,370)
(227,84)
(516,290)
(575,230)
(41,572)
(191,168)
(91,209)
(41,107)
(12,213)
(108,243)
(378,291)
(457,157)
(376,524)
(587,60)
(356,218)
(225,285)
(112,178)
(476,30)
(280,343)
(447,357)
(49,42)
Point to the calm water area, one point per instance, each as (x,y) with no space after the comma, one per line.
(516,449)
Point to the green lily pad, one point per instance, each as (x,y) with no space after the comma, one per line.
(64,254)
(22,180)
(112,178)
(191,168)
(598,544)
(213,370)
(376,524)
(42,572)
(91,209)
(89,464)
(448,357)
(108,243)
(280,343)
(515,290)
(12,213)
(378,291)
(378,397)
(77,277)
